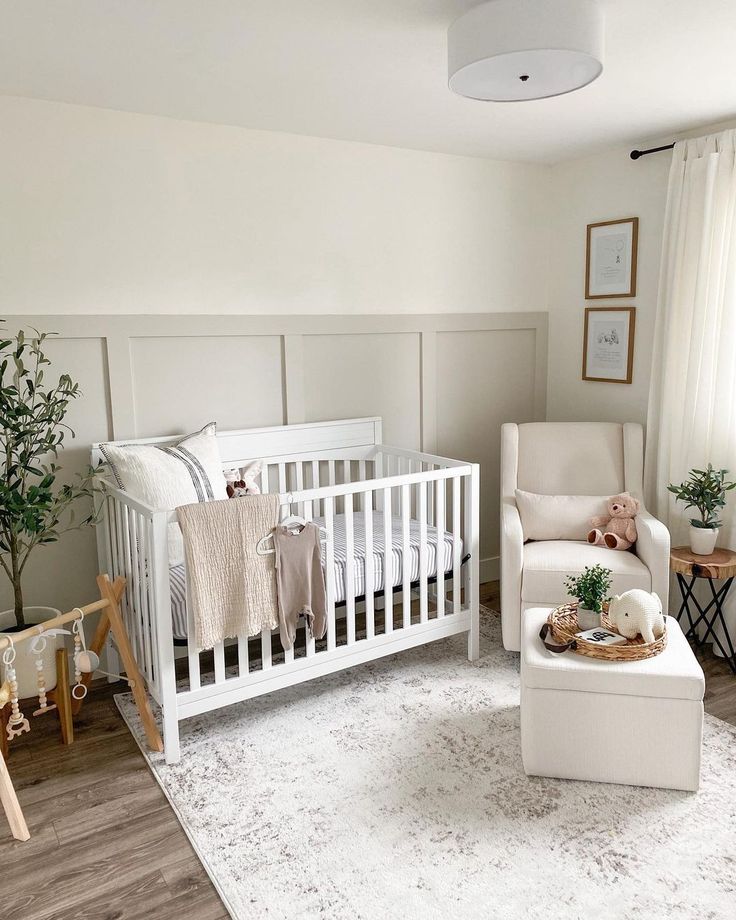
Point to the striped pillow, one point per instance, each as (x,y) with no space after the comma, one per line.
(168,475)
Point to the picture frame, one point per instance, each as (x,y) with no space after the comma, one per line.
(610,258)
(608,344)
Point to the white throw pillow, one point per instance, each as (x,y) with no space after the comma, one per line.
(558,517)
(169,475)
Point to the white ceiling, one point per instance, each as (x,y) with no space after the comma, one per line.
(365,70)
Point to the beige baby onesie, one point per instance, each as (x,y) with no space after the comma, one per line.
(300,582)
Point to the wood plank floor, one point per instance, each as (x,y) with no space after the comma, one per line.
(105,844)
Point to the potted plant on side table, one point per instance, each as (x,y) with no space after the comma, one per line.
(34,508)
(706,491)
(591,589)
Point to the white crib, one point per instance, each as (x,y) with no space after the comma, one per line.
(339,471)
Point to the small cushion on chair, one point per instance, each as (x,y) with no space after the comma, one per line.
(548,563)
(558,517)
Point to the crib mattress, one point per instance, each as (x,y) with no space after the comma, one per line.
(438,545)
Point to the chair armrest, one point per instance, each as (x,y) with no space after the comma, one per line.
(653,548)
(512,563)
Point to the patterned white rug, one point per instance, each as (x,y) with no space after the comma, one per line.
(395,791)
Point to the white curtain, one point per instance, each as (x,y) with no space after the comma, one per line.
(692,400)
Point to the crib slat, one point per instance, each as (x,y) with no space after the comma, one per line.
(423,607)
(361,477)
(119,566)
(370,562)
(440,545)
(128,608)
(406,553)
(315,480)
(329,506)
(388,564)
(266,655)
(456,544)
(142,543)
(282,477)
(299,477)
(146,572)
(349,570)
(195,680)
(145,610)
(243,663)
(309,638)
(135,590)
(308,516)
(219,651)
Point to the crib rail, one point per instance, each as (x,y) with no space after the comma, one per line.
(402,509)
(126,538)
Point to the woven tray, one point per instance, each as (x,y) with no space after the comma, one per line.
(564,623)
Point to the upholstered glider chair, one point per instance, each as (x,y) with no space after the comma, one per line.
(570,459)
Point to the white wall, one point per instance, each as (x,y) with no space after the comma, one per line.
(602,187)
(110,212)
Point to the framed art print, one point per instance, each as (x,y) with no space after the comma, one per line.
(608,344)
(610,259)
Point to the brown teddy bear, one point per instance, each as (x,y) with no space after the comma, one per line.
(617,529)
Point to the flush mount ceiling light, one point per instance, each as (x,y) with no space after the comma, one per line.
(513,50)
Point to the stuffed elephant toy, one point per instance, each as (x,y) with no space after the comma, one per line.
(637,612)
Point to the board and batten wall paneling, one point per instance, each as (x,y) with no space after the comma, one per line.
(180,383)
(57,572)
(442,382)
(348,376)
(487,378)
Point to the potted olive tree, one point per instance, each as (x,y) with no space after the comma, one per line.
(704,490)
(35,509)
(591,589)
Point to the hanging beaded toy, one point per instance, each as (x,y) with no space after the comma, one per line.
(37,647)
(17,723)
(79,690)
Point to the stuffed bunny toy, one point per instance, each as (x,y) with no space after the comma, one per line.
(617,529)
(635,613)
(244,481)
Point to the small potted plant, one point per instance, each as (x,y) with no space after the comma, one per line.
(591,589)
(34,508)
(706,491)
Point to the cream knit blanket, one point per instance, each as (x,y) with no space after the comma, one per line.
(231,590)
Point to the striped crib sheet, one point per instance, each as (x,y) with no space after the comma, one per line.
(436,545)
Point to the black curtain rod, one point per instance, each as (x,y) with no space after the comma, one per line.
(635,154)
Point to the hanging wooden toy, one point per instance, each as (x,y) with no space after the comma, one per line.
(17,723)
(37,648)
(86,661)
(79,690)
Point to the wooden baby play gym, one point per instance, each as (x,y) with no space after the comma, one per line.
(66,699)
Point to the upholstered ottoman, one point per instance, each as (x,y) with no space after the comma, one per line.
(638,722)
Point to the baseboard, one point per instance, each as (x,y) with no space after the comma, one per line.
(489,569)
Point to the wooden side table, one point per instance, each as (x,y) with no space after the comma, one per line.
(719,566)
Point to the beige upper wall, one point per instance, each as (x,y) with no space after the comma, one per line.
(584,191)
(602,187)
(110,212)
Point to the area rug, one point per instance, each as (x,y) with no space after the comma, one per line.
(395,791)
